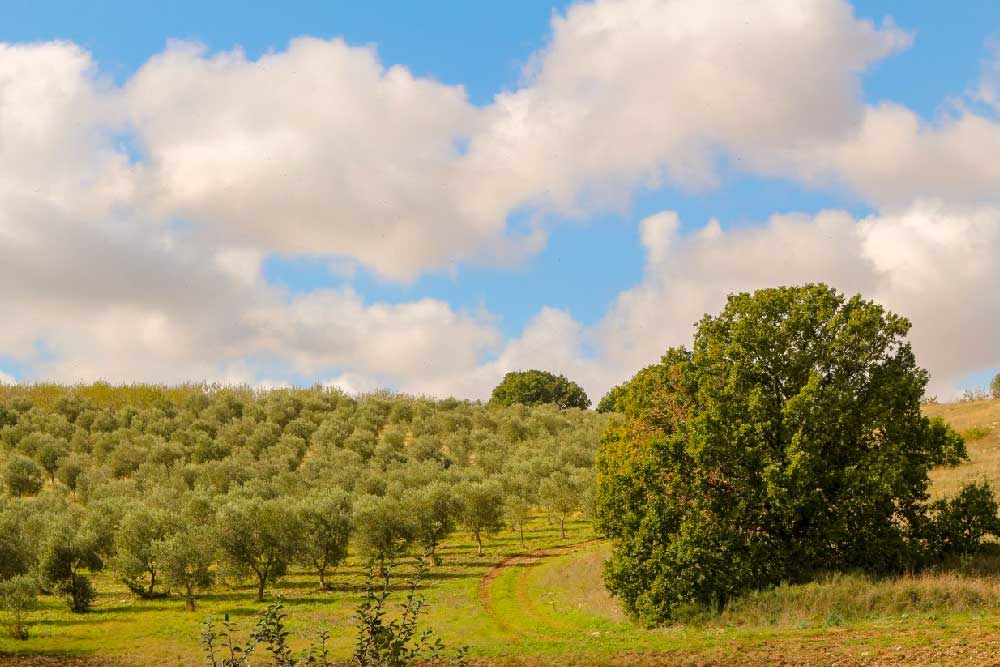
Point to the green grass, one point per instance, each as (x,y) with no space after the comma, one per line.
(547,608)
(161,632)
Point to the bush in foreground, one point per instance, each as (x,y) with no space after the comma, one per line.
(382,640)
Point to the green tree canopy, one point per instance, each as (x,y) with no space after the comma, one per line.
(23,476)
(186,559)
(481,512)
(325,517)
(70,547)
(136,547)
(384,527)
(434,509)
(18,596)
(789,440)
(535,387)
(260,537)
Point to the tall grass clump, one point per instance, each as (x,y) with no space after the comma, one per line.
(839,599)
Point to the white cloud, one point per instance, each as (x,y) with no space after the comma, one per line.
(895,158)
(149,268)
(316,150)
(407,344)
(638,92)
(353,383)
(6,378)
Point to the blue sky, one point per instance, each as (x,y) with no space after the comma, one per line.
(588,259)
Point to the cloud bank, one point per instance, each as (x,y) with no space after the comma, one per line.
(134,219)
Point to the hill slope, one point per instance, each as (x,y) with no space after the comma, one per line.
(979,423)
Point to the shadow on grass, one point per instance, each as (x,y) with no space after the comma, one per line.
(142,608)
(66,622)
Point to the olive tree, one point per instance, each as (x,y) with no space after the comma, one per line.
(22,476)
(18,596)
(788,441)
(258,537)
(434,509)
(325,518)
(51,454)
(481,509)
(185,558)
(69,548)
(136,547)
(384,528)
(517,511)
(561,495)
(16,549)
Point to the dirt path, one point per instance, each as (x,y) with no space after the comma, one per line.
(521,560)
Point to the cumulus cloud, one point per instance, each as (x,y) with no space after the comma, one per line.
(638,92)
(57,124)
(895,157)
(317,150)
(407,344)
(144,263)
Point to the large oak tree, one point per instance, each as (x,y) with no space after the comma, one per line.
(788,441)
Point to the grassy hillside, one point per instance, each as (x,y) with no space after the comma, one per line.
(544,604)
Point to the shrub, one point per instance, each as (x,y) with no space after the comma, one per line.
(976,433)
(995,386)
(18,596)
(959,524)
(381,641)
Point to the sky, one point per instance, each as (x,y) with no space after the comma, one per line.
(424,196)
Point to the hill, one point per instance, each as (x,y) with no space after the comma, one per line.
(542,603)
(979,424)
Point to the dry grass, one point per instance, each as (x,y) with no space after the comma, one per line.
(979,422)
(844,599)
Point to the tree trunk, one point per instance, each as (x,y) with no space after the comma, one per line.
(261,581)
(521,525)
(322,578)
(189,600)
(479,542)
(562,527)
(152,583)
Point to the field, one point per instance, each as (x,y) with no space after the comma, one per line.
(544,604)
